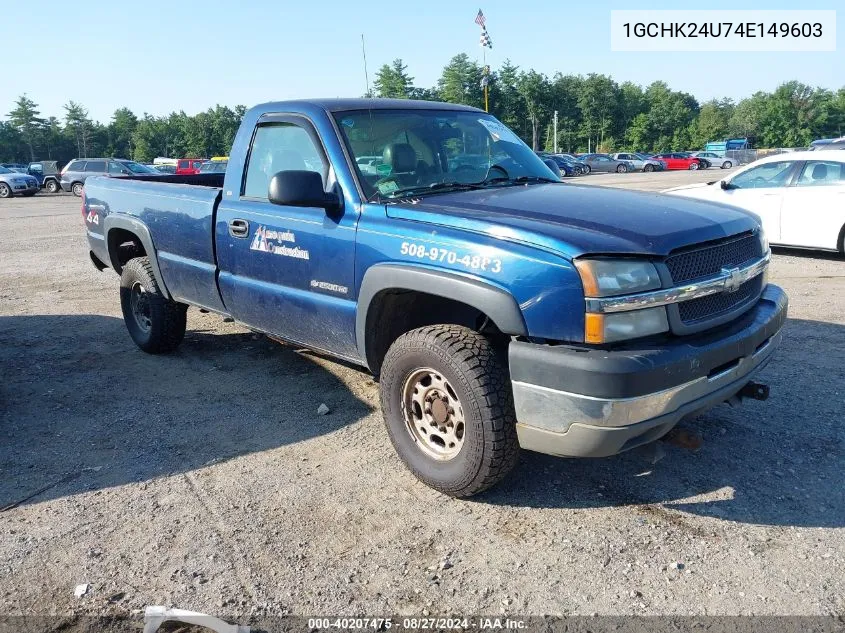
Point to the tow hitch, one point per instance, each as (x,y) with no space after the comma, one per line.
(753,390)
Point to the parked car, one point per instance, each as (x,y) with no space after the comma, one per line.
(606,163)
(566,168)
(216,165)
(164,169)
(14,182)
(640,161)
(21,169)
(828,143)
(77,171)
(188,166)
(581,167)
(703,162)
(679,160)
(722,162)
(800,197)
(46,172)
(500,308)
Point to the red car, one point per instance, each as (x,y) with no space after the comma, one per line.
(188,166)
(680,161)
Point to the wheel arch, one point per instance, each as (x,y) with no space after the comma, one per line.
(120,229)
(389,292)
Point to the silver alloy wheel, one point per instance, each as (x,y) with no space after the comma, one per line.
(77,189)
(52,186)
(693,166)
(5,190)
(433,414)
(140,304)
(727,164)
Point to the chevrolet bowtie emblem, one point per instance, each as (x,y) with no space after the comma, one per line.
(733,279)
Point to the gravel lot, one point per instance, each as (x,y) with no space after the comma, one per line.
(207,481)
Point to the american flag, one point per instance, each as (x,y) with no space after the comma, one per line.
(479,19)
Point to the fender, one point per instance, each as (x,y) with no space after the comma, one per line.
(138,228)
(496,303)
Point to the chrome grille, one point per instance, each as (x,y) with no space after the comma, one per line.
(713,306)
(708,260)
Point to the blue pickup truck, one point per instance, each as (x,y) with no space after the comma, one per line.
(498,306)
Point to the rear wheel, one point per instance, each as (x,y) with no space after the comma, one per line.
(52,186)
(693,166)
(5,190)
(155,323)
(77,189)
(587,169)
(447,403)
(727,164)
(621,169)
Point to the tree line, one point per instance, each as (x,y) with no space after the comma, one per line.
(594,113)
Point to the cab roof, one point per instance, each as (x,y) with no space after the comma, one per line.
(342,105)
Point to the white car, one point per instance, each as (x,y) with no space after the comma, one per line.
(799,197)
(715,160)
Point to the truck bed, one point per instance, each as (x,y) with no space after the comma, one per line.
(179,212)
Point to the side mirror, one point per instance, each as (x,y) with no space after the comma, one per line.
(724,184)
(301,188)
(553,166)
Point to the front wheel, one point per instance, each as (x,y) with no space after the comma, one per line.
(155,323)
(447,403)
(648,168)
(52,186)
(693,166)
(727,164)
(5,190)
(77,189)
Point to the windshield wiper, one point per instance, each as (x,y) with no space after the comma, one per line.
(435,187)
(520,180)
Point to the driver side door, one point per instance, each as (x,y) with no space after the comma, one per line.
(288,270)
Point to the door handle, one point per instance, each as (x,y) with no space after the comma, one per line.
(238,228)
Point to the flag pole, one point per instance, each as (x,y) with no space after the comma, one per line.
(484,56)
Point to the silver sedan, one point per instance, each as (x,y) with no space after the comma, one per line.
(715,160)
(13,182)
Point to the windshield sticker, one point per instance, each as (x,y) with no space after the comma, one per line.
(387,187)
(348,122)
(498,131)
(383,169)
(266,241)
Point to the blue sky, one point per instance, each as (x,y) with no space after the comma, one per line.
(158,57)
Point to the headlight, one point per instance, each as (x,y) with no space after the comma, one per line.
(764,241)
(613,277)
(608,328)
(609,277)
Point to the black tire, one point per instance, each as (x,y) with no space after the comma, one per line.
(77,189)
(477,374)
(621,169)
(648,168)
(5,190)
(693,166)
(727,164)
(587,169)
(155,323)
(52,186)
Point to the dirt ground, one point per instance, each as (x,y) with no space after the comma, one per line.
(207,481)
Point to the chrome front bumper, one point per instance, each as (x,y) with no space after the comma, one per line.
(614,407)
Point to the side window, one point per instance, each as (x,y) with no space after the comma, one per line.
(76,165)
(822,172)
(183,164)
(98,166)
(764,176)
(115,168)
(280,147)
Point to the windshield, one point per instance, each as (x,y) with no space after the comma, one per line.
(3,170)
(409,152)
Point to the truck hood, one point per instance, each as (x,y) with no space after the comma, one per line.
(574,220)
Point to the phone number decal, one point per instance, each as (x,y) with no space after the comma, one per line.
(439,254)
